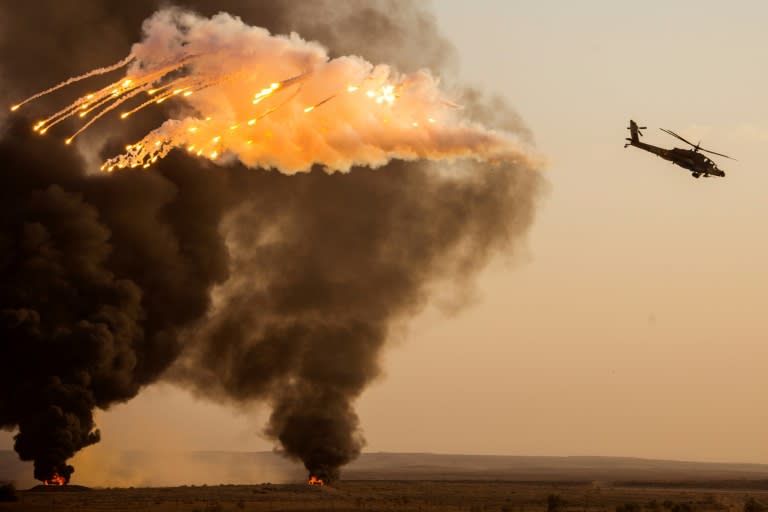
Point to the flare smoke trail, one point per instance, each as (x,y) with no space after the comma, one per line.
(241,285)
(275,102)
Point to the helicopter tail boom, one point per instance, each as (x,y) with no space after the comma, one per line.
(635,132)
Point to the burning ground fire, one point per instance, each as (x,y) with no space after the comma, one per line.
(274,102)
(56,479)
(314,480)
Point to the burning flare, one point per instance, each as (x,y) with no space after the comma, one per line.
(275,102)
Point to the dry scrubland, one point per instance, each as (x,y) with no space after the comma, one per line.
(470,496)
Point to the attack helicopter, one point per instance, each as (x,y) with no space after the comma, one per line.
(690,159)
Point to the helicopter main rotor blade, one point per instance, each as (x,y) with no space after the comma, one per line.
(676,135)
(715,153)
(696,147)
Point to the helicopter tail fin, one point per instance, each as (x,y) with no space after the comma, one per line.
(635,133)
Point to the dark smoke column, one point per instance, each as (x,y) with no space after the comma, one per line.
(98,275)
(63,316)
(325,266)
(319,430)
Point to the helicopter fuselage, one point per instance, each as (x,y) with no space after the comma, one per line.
(689,159)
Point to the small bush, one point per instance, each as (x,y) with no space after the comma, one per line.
(683,507)
(8,492)
(555,503)
(628,507)
(752,505)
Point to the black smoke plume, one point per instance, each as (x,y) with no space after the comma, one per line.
(99,274)
(241,284)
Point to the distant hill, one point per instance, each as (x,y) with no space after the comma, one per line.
(196,468)
(503,467)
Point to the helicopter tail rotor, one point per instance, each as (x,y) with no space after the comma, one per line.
(635,132)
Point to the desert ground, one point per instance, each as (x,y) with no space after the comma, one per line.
(428,482)
(469,496)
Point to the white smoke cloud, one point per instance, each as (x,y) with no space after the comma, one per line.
(280,102)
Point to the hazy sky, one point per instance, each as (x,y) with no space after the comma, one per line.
(636,324)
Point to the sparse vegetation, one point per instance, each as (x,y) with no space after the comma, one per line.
(752,505)
(392,496)
(8,492)
(689,506)
(628,507)
(683,507)
(555,503)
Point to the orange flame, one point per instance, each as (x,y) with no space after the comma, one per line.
(313,480)
(56,479)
